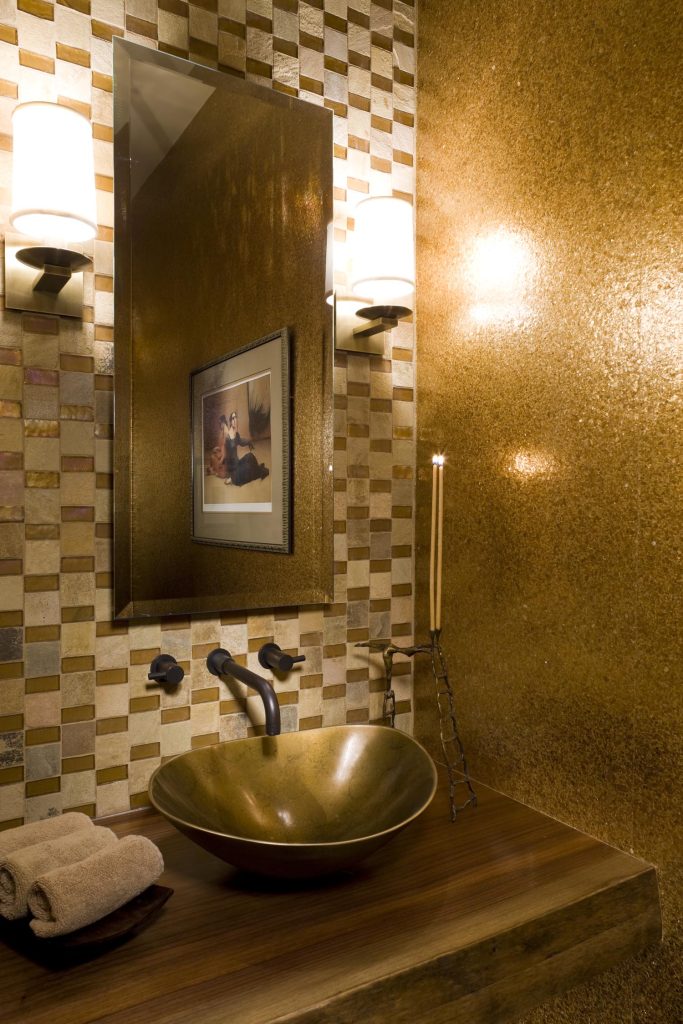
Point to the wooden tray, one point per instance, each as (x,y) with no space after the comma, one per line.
(92,940)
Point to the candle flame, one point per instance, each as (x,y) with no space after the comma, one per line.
(438,460)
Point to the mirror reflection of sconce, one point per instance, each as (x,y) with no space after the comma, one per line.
(383,267)
(53,203)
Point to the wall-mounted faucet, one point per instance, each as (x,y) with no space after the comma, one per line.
(222,663)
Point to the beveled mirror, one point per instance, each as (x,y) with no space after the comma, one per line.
(223,341)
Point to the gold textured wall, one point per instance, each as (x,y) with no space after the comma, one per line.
(77,726)
(549,334)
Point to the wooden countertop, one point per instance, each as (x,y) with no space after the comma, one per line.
(471,922)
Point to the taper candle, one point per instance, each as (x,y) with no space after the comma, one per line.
(439,554)
(432,545)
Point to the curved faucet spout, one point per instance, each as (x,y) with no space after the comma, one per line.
(221,663)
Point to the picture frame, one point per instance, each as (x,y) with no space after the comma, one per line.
(241,448)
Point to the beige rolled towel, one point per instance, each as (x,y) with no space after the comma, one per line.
(76,895)
(38,831)
(19,871)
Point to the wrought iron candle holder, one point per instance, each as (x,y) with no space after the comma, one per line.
(451,744)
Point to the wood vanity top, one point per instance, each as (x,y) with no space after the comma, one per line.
(471,922)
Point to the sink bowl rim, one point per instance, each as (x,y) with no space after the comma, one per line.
(182,823)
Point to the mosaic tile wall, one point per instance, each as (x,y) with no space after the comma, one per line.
(78,728)
(554,387)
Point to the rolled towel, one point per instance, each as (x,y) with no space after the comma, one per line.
(37,831)
(19,871)
(76,895)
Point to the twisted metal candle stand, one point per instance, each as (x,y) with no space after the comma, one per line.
(451,744)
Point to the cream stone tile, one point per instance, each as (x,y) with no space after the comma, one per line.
(112,651)
(285,25)
(40,609)
(39,807)
(41,506)
(11,435)
(13,697)
(175,738)
(79,788)
(205,631)
(140,772)
(311,20)
(72,27)
(42,453)
(36,34)
(234,10)
(145,634)
(77,689)
(77,589)
(113,798)
(233,727)
(205,719)
(77,539)
(40,709)
(112,749)
(112,701)
(109,11)
(12,802)
(173,30)
(42,556)
(203,24)
(334,712)
(77,438)
(144,727)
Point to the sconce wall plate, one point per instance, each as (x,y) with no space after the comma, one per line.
(54,287)
(348,326)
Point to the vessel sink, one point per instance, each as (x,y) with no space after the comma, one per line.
(300,804)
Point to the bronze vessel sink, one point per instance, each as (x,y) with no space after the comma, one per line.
(300,804)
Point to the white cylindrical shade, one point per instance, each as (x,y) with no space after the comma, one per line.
(383,253)
(53,175)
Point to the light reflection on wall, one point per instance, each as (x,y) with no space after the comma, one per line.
(500,272)
(530,464)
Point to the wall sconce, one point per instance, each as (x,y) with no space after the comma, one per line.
(53,202)
(383,268)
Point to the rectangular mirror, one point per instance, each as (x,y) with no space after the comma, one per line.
(223,341)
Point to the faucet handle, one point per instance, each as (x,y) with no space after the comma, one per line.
(272,656)
(165,671)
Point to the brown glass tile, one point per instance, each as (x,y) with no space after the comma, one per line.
(145,751)
(111,676)
(314,722)
(148,703)
(332,692)
(84,663)
(89,809)
(9,776)
(42,531)
(49,734)
(42,634)
(11,723)
(15,618)
(12,822)
(41,787)
(42,684)
(84,763)
(116,774)
(11,566)
(204,696)
(105,726)
(82,713)
(175,715)
(206,740)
